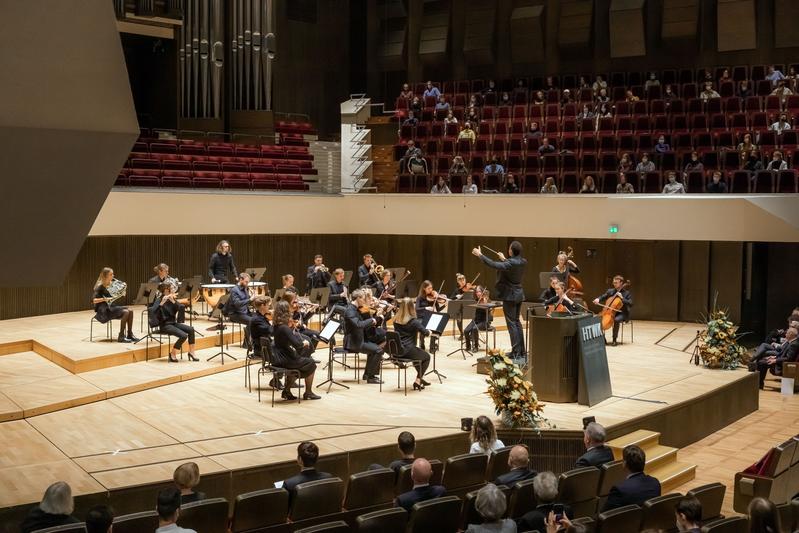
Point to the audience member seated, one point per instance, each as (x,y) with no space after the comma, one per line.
(450,119)
(458,167)
(661,147)
(693,165)
(782,91)
(431,90)
(549,186)
(585,113)
(411,150)
(645,164)
(774,75)
(773,359)
(602,111)
(625,163)
(494,167)
(716,184)
(545,486)
(763,516)
(519,463)
(406,92)
(442,104)
(669,95)
(596,453)
(421,472)
(744,89)
(411,120)
(546,147)
(504,99)
(538,98)
(688,514)
(510,186)
(725,76)
(623,186)
(406,443)
(168,509)
(777,162)
(475,100)
(708,93)
(307,455)
(491,87)
(484,436)
(599,84)
(752,162)
(778,335)
(629,96)
(588,186)
(534,132)
(440,187)
(673,186)
(637,487)
(781,125)
(469,187)
(791,78)
(491,505)
(472,114)
(99,519)
(566,98)
(467,133)
(186,477)
(746,146)
(55,509)
(651,82)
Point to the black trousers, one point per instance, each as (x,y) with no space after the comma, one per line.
(181,331)
(417,354)
(512,311)
(617,320)
(242,319)
(374,354)
(472,332)
(763,367)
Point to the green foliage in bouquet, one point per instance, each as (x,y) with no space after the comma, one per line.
(513,396)
(718,343)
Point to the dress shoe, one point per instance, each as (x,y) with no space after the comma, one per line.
(123,338)
(614,343)
(374,381)
(418,386)
(276,384)
(311,396)
(286,395)
(172,359)
(425,382)
(132,338)
(192,358)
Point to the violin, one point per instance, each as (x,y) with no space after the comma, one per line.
(612,306)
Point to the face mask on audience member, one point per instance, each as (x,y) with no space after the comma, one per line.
(672,179)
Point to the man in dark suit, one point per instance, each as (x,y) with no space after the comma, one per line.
(238,305)
(596,453)
(626,302)
(355,326)
(519,463)
(421,471)
(318,275)
(688,515)
(307,455)
(508,288)
(787,353)
(637,487)
(338,291)
(366,275)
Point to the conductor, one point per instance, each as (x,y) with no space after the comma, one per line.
(510,272)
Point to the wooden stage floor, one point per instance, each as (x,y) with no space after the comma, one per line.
(117,423)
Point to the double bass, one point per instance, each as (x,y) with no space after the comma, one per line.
(572,282)
(612,306)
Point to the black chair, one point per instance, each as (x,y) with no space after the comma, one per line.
(136,522)
(339,526)
(622,520)
(659,512)
(735,524)
(440,515)
(711,497)
(578,489)
(787,518)
(522,499)
(109,329)
(469,514)
(498,463)
(268,368)
(369,489)
(465,472)
(249,359)
(610,474)
(394,351)
(393,520)
(66,528)
(316,498)
(405,483)
(586,521)
(208,516)
(259,509)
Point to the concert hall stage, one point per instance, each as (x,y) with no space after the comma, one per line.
(96,415)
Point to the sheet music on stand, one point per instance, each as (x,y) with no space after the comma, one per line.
(330,329)
(544,278)
(146,294)
(256,273)
(437,322)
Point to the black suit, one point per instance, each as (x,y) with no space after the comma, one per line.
(406,500)
(634,490)
(596,456)
(237,308)
(365,278)
(336,294)
(624,314)
(510,273)
(509,479)
(306,475)
(260,327)
(316,279)
(222,267)
(787,353)
(355,341)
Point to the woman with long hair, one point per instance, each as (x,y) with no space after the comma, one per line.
(292,351)
(408,327)
(221,267)
(105,309)
(484,436)
(763,516)
(164,312)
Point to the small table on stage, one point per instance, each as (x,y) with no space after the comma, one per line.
(489,308)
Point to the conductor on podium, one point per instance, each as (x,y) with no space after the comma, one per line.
(508,289)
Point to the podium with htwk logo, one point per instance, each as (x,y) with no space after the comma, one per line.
(567,359)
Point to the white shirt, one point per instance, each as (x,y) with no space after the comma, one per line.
(470,189)
(174,528)
(780,127)
(475,448)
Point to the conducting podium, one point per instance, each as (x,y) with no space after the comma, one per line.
(567,361)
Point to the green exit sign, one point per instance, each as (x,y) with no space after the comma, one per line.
(614,228)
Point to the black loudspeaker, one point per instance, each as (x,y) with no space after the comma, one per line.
(587,420)
(466,424)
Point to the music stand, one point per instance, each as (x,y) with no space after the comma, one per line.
(489,307)
(436,325)
(545,277)
(459,311)
(397,272)
(321,297)
(256,273)
(328,331)
(279,294)
(406,289)
(217,313)
(146,296)
(189,289)
(347,277)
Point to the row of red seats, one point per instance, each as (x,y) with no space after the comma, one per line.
(217,163)
(739,181)
(222,149)
(288,126)
(212,180)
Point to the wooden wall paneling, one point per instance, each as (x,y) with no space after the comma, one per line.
(726,276)
(442,260)
(694,276)
(574,29)
(627,35)
(540,254)
(736,25)
(478,44)
(680,19)
(786,13)
(434,34)
(527,34)
(472,265)
(593,270)
(782,293)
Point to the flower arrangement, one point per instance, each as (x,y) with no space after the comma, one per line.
(513,396)
(718,344)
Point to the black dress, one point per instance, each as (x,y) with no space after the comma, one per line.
(104,311)
(408,334)
(291,353)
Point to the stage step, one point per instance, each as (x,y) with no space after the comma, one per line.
(672,475)
(661,461)
(641,437)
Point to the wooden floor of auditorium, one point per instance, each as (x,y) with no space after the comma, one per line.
(98,416)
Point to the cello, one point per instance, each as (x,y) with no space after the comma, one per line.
(558,306)
(612,306)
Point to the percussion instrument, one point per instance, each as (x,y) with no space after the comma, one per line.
(258,288)
(212,292)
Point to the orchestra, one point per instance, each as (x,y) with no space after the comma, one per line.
(368,274)
(164,313)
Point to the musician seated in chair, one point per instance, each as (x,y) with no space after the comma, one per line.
(408,327)
(162,275)
(294,352)
(481,322)
(105,310)
(163,313)
(238,305)
(356,342)
(301,313)
(550,291)
(623,314)
(261,330)
(338,291)
(561,303)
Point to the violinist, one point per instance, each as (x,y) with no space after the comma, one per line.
(462,288)
(550,291)
(261,329)
(375,333)
(427,303)
(561,301)
(623,294)
(355,341)
(408,327)
(481,321)
(318,275)
(385,287)
(366,272)
(293,351)
(338,291)
(300,316)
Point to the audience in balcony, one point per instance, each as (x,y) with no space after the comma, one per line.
(791,78)
(583,83)
(186,477)
(469,187)
(602,111)
(472,115)
(494,167)
(416,105)
(431,90)
(764,516)
(491,505)
(596,453)
(725,76)
(510,186)
(484,436)
(505,99)
(694,164)
(588,186)
(467,133)
(623,186)
(545,486)
(549,186)
(782,91)
(458,167)
(99,519)
(442,105)
(440,187)
(168,508)
(421,472)
(491,87)
(567,97)
(637,487)
(774,75)
(533,132)
(782,124)
(626,163)
(585,113)
(744,89)
(668,95)
(450,119)
(645,164)
(661,147)
(519,463)
(777,162)
(716,184)
(752,162)
(406,92)
(475,100)
(411,152)
(55,509)
(746,146)
(602,97)
(599,85)
(629,96)
(411,120)
(709,93)
(539,98)
(550,84)
(651,82)
(545,147)
(673,186)
(688,515)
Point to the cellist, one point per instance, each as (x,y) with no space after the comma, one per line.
(624,296)
(561,302)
